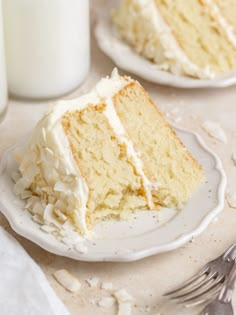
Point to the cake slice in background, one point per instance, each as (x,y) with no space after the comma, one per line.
(183,37)
(228,11)
(103,155)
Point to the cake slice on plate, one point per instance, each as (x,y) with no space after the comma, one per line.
(196,38)
(104,154)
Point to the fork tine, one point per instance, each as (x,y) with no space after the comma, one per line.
(207,289)
(196,286)
(205,298)
(188,282)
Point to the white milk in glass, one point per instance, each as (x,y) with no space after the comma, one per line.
(47,46)
(3,82)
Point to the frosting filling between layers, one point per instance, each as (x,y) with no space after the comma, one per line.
(120,133)
(49,166)
(229,31)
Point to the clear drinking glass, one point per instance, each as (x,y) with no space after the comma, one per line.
(3,80)
(47,46)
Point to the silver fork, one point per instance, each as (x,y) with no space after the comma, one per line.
(222,304)
(204,286)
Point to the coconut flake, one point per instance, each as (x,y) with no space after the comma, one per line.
(26,194)
(67,280)
(20,186)
(48,215)
(69,231)
(68,241)
(18,153)
(38,208)
(48,150)
(60,215)
(123,296)
(231,198)
(48,228)
(214,130)
(124,300)
(106,302)
(81,248)
(59,186)
(107,286)
(93,282)
(233,157)
(44,134)
(37,218)
(15,176)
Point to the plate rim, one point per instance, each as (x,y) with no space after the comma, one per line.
(157,76)
(131,255)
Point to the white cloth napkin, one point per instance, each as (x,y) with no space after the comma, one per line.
(24,289)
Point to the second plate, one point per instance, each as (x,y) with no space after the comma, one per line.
(127,59)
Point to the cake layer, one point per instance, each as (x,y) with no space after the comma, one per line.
(114,185)
(166,162)
(201,37)
(228,10)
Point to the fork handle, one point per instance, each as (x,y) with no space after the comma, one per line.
(230,254)
(226,292)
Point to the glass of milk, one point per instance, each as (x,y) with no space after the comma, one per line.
(47,46)
(3,81)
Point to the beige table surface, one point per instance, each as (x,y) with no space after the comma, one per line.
(146,279)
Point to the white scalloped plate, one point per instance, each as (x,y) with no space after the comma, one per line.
(126,58)
(143,234)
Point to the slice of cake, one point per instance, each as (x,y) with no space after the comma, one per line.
(102,155)
(194,38)
(227,13)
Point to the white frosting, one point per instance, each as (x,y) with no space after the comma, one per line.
(49,165)
(164,48)
(120,132)
(229,30)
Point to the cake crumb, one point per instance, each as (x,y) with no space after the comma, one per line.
(107,286)
(214,130)
(67,280)
(231,198)
(106,301)
(93,282)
